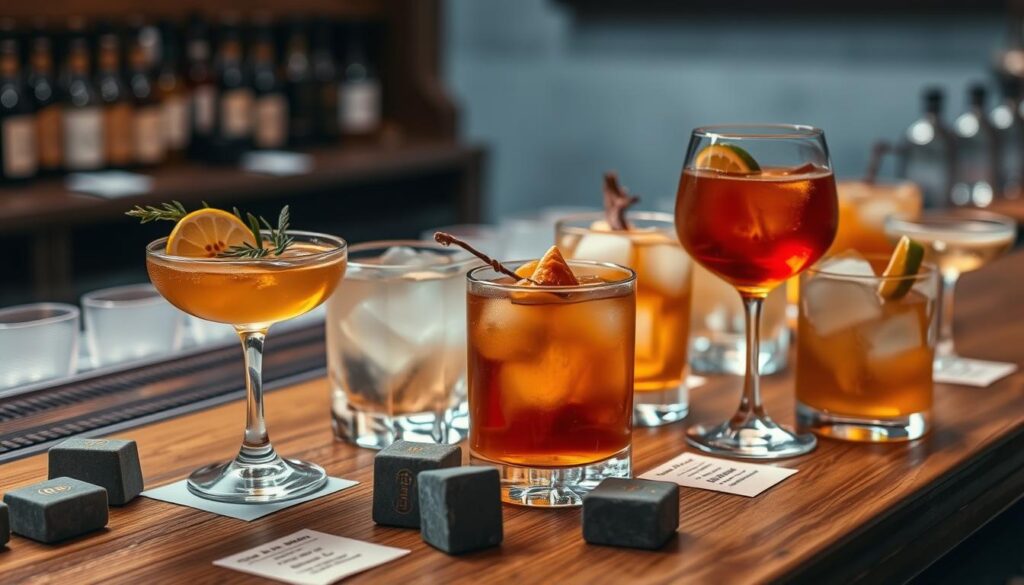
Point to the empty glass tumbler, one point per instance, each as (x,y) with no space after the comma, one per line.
(37,342)
(125,323)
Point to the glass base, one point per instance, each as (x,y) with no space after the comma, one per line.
(904,428)
(376,430)
(556,487)
(273,480)
(755,438)
(656,408)
(723,353)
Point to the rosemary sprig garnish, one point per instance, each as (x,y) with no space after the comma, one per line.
(275,243)
(172,211)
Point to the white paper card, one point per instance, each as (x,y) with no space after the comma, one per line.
(720,475)
(177,493)
(309,557)
(968,372)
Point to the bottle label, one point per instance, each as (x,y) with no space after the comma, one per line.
(83,138)
(118,134)
(236,113)
(204,108)
(48,136)
(176,127)
(359,106)
(19,136)
(271,121)
(149,135)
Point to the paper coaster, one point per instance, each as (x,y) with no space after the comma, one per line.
(309,557)
(968,372)
(720,475)
(177,493)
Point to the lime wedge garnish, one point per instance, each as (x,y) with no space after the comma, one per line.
(905,261)
(726,158)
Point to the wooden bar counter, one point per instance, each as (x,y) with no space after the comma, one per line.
(854,512)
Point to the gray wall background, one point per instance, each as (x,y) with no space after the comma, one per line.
(560,100)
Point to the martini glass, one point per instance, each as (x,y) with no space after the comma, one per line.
(957,241)
(251,295)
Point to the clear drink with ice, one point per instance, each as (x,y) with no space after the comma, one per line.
(396,344)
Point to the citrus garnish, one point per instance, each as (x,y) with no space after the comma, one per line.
(905,261)
(207,233)
(553,270)
(526,269)
(726,158)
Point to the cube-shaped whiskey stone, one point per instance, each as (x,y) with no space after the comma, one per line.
(5,524)
(395,471)
(57,509)
(635,513)
(460,509)
(110,463)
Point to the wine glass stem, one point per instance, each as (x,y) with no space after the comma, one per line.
(945,348)
(256,447)
(750,403)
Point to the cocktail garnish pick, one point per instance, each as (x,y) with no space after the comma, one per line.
(878,150)
(616,202)
(446,239)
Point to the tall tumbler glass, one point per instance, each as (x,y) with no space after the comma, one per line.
(37,342)
(396,344)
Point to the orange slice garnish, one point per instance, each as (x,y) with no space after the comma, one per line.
(206,233)
(553,270)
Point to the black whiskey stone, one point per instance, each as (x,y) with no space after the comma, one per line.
(395,470)
(110,463)
(460,509)
(635,513)
(5,524)
(57,509)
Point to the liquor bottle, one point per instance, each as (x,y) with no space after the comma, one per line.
(201,87)
(977,168)
(271,104)
(148,123)
(42,84)
(1008,120)
(82,111)
(118,110)
(929,153)
(301,86)
(172,94)
(360,99)
(232,135)
(325,75)
(18,160)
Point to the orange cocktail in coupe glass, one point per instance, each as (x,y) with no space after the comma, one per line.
(251,293)
(756,206)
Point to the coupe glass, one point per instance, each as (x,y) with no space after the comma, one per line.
(755,229)
(958,241)
(251,295)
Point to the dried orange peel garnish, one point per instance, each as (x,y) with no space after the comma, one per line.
(551,270)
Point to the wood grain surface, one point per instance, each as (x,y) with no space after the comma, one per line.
(853,512)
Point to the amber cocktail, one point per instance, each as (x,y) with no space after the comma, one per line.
(551,381)
(864,358)
(252,294)
(663,284)
(756,205)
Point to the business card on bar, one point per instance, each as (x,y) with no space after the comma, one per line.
(308,557)
(978,373)
(719,475)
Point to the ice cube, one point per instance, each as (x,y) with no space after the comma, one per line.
(508,331)
(834,305)
(406,256)
(646,340)
(364,331)
(544,382)
(666,267)
(849,263)
(612,248)
(894,336)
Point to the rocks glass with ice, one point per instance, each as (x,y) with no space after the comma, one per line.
(663,285)
(865,346)
(396,344)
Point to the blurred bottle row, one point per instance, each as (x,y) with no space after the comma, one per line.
(139,93)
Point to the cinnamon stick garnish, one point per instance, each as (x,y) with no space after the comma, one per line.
(446,239)
(616,202)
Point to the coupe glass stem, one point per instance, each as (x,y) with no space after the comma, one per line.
(944,348)
(256,447)
(750,403)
